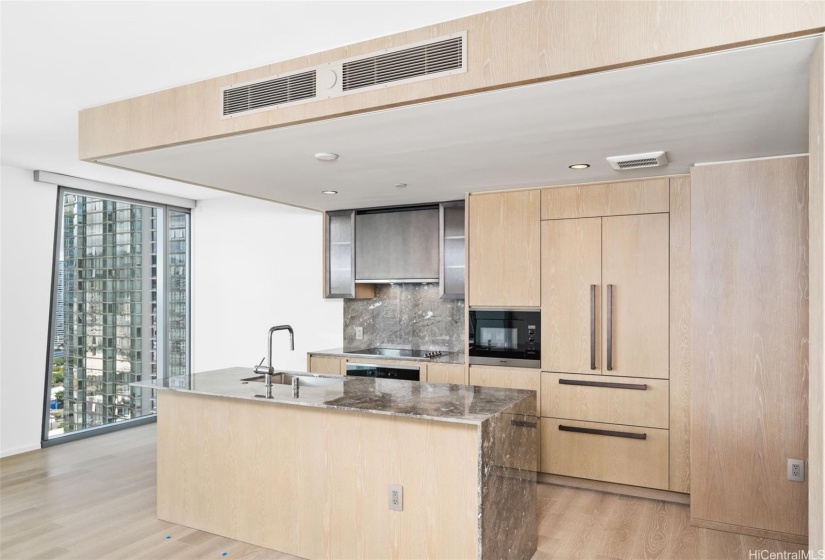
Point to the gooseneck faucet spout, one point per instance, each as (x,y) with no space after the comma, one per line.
(269,369)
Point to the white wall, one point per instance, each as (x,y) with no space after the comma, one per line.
(27,215)
(257,264)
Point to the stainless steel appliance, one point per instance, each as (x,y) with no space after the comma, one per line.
(384,371)
(505,337)
(397,245)
(398,353)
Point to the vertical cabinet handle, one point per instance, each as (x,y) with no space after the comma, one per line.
(609,327)
(592,326)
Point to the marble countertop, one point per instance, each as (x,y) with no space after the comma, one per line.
(392,397)
(452,358)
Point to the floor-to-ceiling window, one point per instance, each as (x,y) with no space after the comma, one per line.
(120,310)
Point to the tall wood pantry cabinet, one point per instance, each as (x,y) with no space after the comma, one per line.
(605,301)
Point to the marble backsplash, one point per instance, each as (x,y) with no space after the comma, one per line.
(405,316)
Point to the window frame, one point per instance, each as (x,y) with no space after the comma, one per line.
(162,317)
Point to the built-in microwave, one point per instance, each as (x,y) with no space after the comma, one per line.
(505,337)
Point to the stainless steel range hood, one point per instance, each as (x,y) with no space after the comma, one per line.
(397,245)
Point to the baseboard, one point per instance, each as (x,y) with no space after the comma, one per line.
(19,450)
(613,488)
(751,531)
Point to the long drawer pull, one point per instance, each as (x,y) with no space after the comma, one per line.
(523,423)
(610,433)
(634,386)
(609,327)
(592,326)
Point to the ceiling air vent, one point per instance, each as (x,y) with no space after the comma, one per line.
(430,58)
(637,161)
(277,91)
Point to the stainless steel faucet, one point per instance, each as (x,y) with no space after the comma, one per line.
(269,370)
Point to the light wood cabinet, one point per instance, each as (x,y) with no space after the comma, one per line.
(504,249)
(749,244)
(446,373)
(605,199)
(635,269)
(608,452)
(679,379)
(611,400)
(325,364)
(605,294)
(508,378)
(571,295)
(606,299)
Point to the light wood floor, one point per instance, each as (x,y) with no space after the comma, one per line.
(95,498)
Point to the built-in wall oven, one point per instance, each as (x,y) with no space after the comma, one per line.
(505,337)
(384,371)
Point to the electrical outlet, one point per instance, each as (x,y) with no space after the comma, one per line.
(396,497)
(796,470)
(359,333)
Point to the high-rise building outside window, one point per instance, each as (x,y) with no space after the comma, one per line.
(120,310)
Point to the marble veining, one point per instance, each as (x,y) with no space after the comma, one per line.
(432,401)
(405,316)
(508,462)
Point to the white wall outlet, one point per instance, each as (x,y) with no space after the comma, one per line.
(359,333)
(796,470)
(396,497)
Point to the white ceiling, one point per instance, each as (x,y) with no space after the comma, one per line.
(745,103)
(59,57)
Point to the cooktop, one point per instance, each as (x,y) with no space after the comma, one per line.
(398,353)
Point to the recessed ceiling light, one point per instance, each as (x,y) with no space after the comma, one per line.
(326,156)
(580,166)
(401,185)
(329,192)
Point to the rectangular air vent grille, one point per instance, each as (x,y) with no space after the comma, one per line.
(637,161)
(633,163)
(432,58)
(268,93)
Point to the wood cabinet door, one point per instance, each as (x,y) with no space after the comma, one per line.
(635,268)
(508,378)
(571,269)
(749,365)
(504,249)
(445,373)
(324,364)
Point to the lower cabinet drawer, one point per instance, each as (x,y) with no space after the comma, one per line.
(608,452)
(599,398)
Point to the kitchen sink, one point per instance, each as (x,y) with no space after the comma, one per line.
(281,378)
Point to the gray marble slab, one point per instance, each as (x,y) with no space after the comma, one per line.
(405,316)
(509,457)
(431,401)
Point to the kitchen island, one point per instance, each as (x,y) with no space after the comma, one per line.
(310,475)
